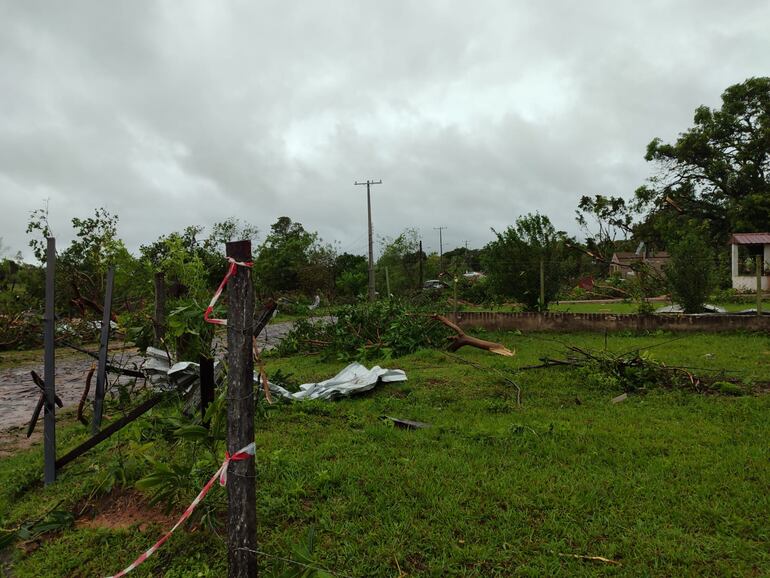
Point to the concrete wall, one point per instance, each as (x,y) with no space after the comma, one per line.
(567,322)
(749,282)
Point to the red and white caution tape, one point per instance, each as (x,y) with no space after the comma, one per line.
(230,272)
(221,473)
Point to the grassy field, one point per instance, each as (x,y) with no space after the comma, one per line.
(665,484)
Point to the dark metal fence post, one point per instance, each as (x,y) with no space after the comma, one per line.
(101,370)
(241,486)
(159,318)
(49,374)
(207,385)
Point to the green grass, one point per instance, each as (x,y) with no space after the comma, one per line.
(667,483)
(622,307)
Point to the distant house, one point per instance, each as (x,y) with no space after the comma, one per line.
(623,263)
(744,249)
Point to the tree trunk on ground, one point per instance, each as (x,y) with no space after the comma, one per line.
(461,339)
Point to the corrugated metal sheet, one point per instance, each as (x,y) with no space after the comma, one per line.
(750,239)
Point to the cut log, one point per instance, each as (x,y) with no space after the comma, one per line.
(461,339)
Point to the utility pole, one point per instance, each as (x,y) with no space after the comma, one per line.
(368,184)
(440,245)
(422,279)
(542,285)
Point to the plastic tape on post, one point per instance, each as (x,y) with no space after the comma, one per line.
(230,272)
(221,473)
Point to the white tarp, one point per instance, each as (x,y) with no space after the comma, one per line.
(164,375)
(355,378)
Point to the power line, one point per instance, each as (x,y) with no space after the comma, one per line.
(368,184)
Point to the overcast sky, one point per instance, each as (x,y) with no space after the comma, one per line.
(471,113)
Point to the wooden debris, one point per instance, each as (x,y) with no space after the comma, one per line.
(406,423)
(592,558)
(461,339)
(84,397)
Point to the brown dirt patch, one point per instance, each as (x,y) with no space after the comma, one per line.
(122,509)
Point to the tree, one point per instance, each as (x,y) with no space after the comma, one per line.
(82,266)
(401,257)
(351,275)
(603,219)
(283,255)
(690,272)
(513,260)
(718,171)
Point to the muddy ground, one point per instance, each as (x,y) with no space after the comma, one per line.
(19,395)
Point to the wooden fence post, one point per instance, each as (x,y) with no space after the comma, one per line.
(101,370)
(241,485)
(758,267)
(49,373)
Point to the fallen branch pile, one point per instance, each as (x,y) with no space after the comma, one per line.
(383,328)
(638,371)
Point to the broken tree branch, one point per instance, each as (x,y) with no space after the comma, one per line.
(461,339)
(84,397)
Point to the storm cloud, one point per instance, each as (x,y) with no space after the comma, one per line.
(178,113)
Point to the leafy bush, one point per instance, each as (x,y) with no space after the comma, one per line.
(690,271)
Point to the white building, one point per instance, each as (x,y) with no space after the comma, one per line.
(744,248)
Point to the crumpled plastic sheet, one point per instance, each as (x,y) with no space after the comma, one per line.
(355,378)
(165,376)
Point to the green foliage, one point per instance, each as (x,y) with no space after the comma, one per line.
(603,219)
(191,334)
(478,291)
(40,229)
(512,261)
(304,560)
(718,171)
(283,256)
(690,270)
(381,329)
(54,521)
(401,258)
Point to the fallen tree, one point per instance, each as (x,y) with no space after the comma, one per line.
(380,329)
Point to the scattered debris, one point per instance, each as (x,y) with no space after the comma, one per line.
(591,558)
(40,402)
(676,308)
(355,378)
(635,370)
(405,423)
(622,397)
(164,375)
(84,397)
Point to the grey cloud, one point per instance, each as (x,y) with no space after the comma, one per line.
(178,113)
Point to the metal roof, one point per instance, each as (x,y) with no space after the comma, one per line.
(750,239)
